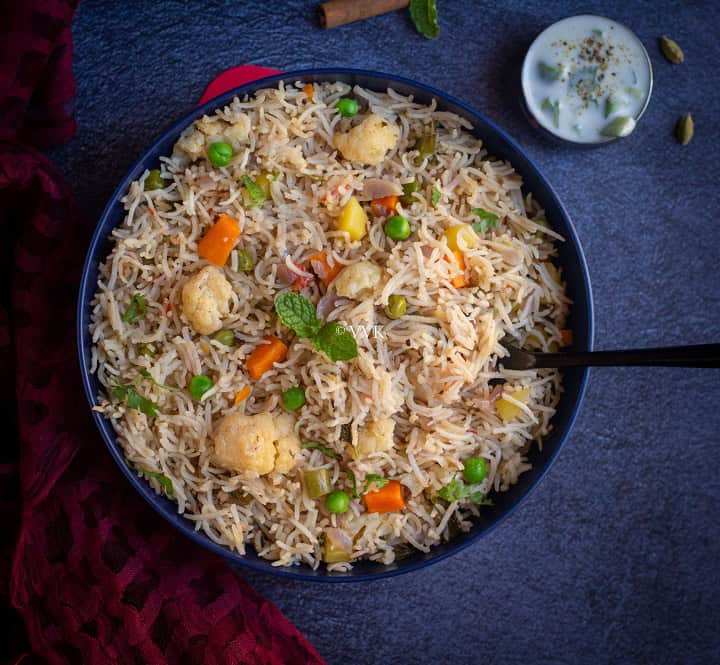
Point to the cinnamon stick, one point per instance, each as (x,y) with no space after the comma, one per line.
(340,12)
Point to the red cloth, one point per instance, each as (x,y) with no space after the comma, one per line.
(97,576)
(234,78)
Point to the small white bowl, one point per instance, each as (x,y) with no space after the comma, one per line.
(563,35)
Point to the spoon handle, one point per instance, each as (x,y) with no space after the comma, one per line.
(699,355)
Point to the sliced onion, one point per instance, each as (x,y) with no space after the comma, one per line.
(284,276)
(318,267)
(517,198)
(326,304)
(205,182)
(339,539)
(495,394)
(375,188)
(293,267)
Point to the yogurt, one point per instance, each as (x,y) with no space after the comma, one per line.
(587,79)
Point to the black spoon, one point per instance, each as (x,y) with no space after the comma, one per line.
(700,355)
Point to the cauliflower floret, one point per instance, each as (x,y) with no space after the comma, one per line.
(376,437)
(206,130)
(481,270)
(292,156)
(205,300)
(287,444)
(259,443)
(210,126)
(369,141)
(237,133)
(356,278)
(192,143)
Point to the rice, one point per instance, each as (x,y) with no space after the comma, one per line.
(434,371)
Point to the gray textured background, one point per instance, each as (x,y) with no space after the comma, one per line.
(614,559)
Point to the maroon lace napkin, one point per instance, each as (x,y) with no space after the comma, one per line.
(96,576)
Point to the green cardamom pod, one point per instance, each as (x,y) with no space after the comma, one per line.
(671,50)
(684,129)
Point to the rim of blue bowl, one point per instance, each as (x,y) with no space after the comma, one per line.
(164,506)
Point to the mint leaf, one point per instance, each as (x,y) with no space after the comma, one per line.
(297,313)
(435,196)
(319,445)
(374,479)
(164,481)
(134,400)
(336,342)
(425,17)
(255,194)
(487,220)
(136,310)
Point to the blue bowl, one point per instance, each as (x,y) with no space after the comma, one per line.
(571,259)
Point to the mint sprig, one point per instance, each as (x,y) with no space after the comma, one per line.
(298,313)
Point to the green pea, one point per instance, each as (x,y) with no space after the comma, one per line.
(199,385)
(293,398)
(154,181)
(474,470)
(396,307)
(225,336)
(245,261)
(397,228)
(337,501)
(347,107)
(220,154)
